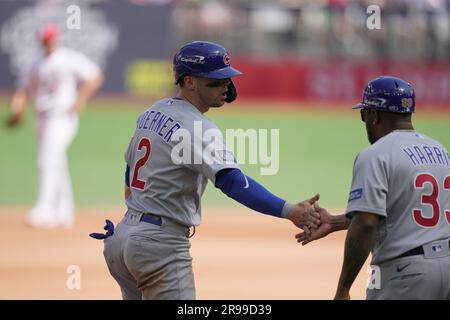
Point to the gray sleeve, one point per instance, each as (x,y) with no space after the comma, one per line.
(127,155)
(214,155)
(369,185)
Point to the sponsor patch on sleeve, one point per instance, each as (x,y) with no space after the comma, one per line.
(355,194)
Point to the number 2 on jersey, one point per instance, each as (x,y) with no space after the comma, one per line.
(430,199)
(136,183)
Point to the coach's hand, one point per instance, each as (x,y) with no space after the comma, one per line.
(323,230)
(303,214)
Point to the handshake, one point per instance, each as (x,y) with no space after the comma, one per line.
(315,221)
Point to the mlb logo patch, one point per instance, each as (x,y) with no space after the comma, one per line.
(355,194)
(436,248)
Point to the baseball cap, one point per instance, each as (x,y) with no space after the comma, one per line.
(48,33)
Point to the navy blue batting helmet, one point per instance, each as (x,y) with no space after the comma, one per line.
(388,94)
(203,59)
(208,60)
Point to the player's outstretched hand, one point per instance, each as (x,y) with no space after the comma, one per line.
(303,214)
(316,233)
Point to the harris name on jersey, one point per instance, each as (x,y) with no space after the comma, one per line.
(423,154)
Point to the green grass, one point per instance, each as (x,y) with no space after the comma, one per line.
(316,154)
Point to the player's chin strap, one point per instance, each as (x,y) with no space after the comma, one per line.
(231,93)
(109,227)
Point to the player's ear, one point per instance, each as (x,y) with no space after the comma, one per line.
(189,82)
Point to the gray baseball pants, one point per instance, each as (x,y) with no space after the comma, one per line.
(419,277)
(150,261)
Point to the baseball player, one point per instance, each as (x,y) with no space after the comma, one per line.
(60,83)
(399,203)
(148,253)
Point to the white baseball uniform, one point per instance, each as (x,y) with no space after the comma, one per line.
(405,178)
(52,83)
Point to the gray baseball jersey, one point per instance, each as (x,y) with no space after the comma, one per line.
(173,153)
(405,178)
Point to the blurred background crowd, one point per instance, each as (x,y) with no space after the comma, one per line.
(306,50)
(319,28)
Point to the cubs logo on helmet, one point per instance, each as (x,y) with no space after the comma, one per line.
(226,59)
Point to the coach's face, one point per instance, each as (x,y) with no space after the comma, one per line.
(370,118)
(212,92)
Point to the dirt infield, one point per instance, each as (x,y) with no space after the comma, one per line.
(237,255)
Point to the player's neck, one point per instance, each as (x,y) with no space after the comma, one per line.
(193,101)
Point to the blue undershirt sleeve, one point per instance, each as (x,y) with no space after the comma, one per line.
(127,176)
(236,185)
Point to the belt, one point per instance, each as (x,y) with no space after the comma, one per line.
(415,252)
(156,220)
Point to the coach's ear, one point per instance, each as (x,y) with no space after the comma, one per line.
(374,116)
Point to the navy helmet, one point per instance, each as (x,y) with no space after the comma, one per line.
(389,94)
(203,59)
(208,60)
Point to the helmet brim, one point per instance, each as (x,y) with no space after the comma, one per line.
(224,73)
(359,106)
